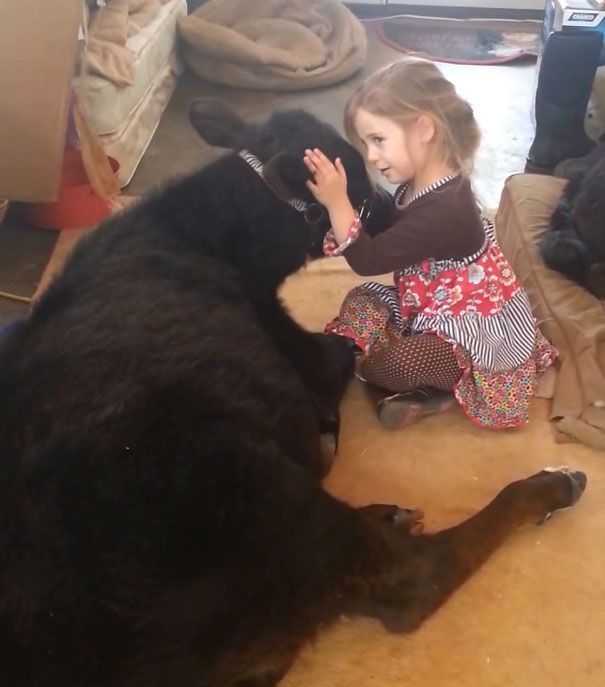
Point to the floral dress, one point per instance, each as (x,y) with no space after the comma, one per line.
(478,306)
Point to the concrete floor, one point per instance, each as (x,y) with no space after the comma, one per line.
(24,252)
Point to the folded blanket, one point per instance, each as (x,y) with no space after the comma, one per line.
(273,44)
(106,52)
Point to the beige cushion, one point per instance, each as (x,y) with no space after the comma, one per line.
(570,317)
(129,143)
(284,45)
(110,105)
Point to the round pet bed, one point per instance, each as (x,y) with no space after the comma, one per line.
(281,45)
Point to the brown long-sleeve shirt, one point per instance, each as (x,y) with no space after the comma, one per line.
(443,224)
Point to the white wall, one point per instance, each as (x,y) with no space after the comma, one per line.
(496,4)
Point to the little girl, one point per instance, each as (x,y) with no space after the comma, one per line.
(456,325)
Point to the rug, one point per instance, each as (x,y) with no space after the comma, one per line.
(470,41)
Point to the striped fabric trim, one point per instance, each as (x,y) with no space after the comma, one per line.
(495,342)
(331,248)
(257,166)
(400,193)
(253,161)
(436,266)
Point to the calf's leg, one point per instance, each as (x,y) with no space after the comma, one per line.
(437,564)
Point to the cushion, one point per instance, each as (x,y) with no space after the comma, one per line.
(129,143)
(570,317)
(284,45)
(108,104)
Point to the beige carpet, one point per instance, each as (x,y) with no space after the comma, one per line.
(534,616)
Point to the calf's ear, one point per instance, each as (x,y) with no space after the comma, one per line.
(286,175)
(217,124)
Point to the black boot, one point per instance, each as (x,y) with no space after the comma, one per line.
(567,72)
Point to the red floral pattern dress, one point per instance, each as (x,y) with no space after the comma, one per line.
(478,306)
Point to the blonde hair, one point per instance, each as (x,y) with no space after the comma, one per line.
(411,87)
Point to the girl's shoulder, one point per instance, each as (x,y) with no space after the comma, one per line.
(451,202)
(452,190)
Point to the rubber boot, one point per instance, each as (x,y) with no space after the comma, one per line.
(567,72)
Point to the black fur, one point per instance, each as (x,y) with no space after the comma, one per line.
(574,244)
(161,517)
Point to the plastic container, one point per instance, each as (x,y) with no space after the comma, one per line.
(77,205)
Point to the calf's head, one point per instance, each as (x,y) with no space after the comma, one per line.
(276,148)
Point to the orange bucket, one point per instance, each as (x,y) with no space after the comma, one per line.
(77,205)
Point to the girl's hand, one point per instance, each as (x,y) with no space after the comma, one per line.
(329,185)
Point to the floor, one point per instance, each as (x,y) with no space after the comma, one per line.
(533,616)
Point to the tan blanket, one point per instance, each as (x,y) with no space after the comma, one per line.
(570,317)
(283,45)
(106,52)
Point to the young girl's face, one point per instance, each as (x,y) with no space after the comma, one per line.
(397,152)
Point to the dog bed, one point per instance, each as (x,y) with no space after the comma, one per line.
(282,45)
(570,317)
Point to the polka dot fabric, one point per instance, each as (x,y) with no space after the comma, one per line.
(412,362)
(394,360)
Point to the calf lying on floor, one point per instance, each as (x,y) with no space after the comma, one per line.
(162,521)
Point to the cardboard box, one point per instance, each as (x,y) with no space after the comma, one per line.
(572,15)
(38,42)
